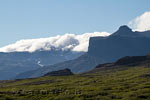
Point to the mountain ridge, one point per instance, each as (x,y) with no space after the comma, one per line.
(103,50)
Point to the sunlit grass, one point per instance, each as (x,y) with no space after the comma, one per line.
(132,83)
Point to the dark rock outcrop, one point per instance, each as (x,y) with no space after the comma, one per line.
(128,61)
(64,72)
(133,60)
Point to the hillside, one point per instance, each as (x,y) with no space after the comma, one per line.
(126,79)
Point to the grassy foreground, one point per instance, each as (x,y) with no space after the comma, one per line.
(132,83)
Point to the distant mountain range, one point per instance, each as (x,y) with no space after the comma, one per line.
(13,63)
(30,54)
(124,42)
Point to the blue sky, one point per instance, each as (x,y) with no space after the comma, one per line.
(25,19)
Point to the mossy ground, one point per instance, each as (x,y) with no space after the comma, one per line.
(132,83)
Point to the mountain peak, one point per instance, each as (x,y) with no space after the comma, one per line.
(124,31)
(124,28)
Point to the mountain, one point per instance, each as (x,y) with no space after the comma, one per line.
(123,42)
(82,63)
(125,79)
(14,63)
(30,54)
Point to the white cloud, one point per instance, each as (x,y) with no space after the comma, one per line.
(60,42)
(141,23)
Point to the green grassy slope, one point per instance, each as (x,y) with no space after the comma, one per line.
(123,83)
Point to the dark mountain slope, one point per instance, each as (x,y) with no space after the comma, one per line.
(123,63)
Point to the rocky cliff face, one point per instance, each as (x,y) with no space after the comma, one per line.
(123,42)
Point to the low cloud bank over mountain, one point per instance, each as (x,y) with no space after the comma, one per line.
(141,23)
(78,43)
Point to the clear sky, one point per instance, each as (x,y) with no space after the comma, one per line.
(26,19)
